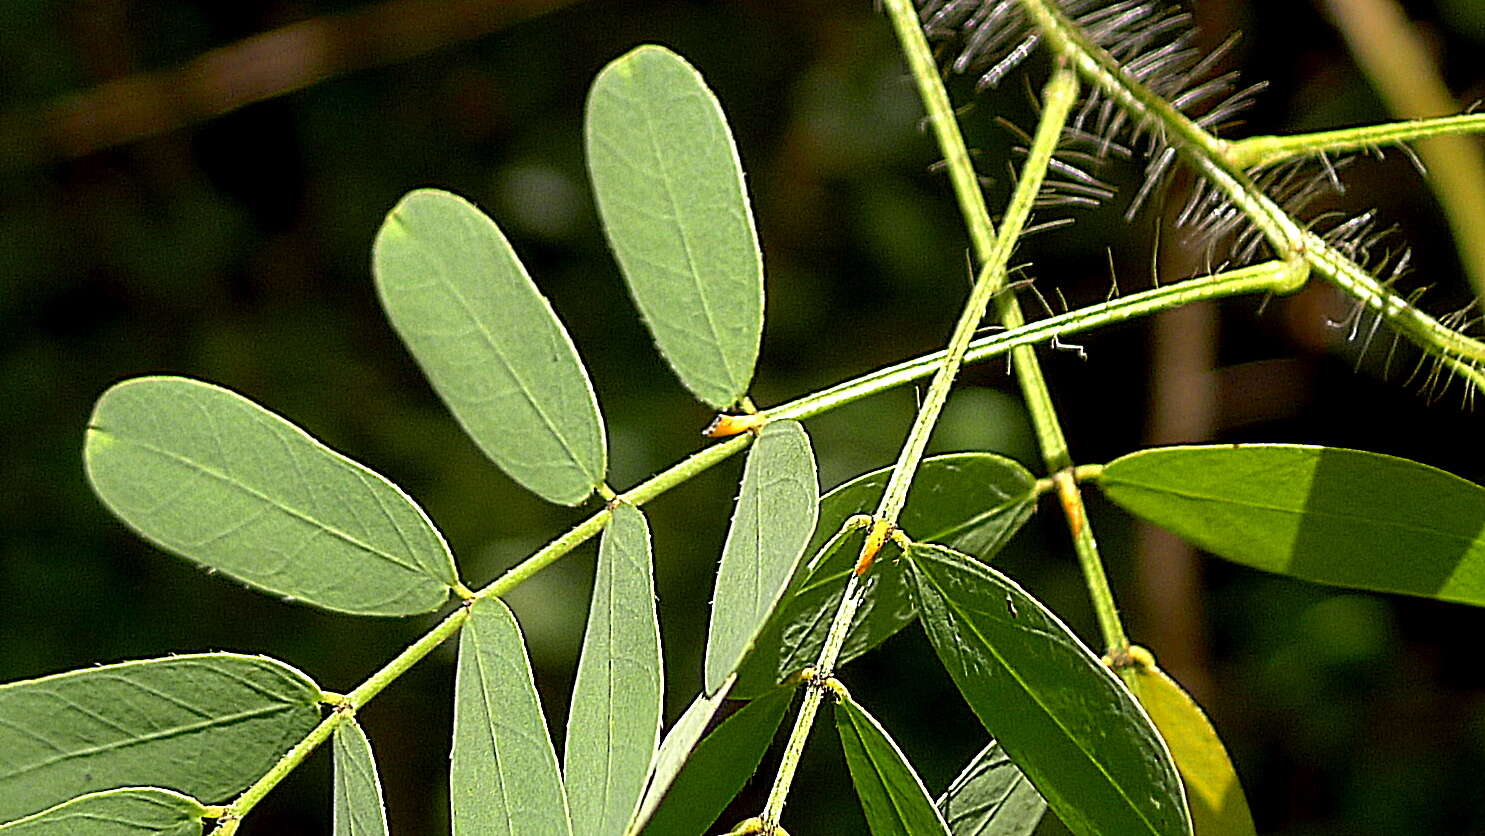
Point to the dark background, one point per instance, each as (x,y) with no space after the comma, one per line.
(235,248)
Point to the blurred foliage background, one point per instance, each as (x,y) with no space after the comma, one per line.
(148,225)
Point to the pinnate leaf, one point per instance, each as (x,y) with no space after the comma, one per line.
(973,502)
(1324,514)
(209,475)
(670,190)
(614,725)
(358,808)
(490,344)
(892,794)
(1073,728)
(133,811)
(772,524)
(205,724)
(503,778)
(992,797)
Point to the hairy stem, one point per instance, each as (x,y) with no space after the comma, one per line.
(1050,438)
(1266,150)
(1396,57)
(1209,156)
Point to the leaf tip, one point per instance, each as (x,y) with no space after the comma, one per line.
(625,64)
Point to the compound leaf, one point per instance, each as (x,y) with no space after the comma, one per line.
(892,794)
(670,190)
(1324,514)
(1073,728)
(209,475)
(203,724)
(133,811)
(614,725)
(716,771)
(973,502)
(490,344)
(503,778)
(773,522)
(992,797)
(358,808)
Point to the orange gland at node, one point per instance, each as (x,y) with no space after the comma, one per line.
(881,530)
(1072,506)
(723,426)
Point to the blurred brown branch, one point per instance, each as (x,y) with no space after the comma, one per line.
(254,69)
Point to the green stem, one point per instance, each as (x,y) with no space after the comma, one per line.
(286,764)
(1256,151)
(1465,355)
(1398,60)
(814,693)
(1210,157)
(1267,277)
(406,659)
(344,710)
(1050,437)
(1201,149)
(1058,98)
(638,495)
(962,177)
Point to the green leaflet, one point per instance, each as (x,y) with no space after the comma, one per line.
(1073,728)
(677,746)
(670,190)
(135,811)
(1343,517)
(490,344)
(614,725)
(206,724)
(892,794)
(503,778)
(773,521)
(973,502)
(357,793)
(212,476)
(1218,806)
(717,770)
(992,797)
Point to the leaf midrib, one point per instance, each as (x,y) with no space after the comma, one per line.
(691,269)
(1302,512)
(233,482)
(1015,676)
(494,345)
(184,729)
(899,809)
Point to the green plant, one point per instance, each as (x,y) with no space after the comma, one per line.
(207,474)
